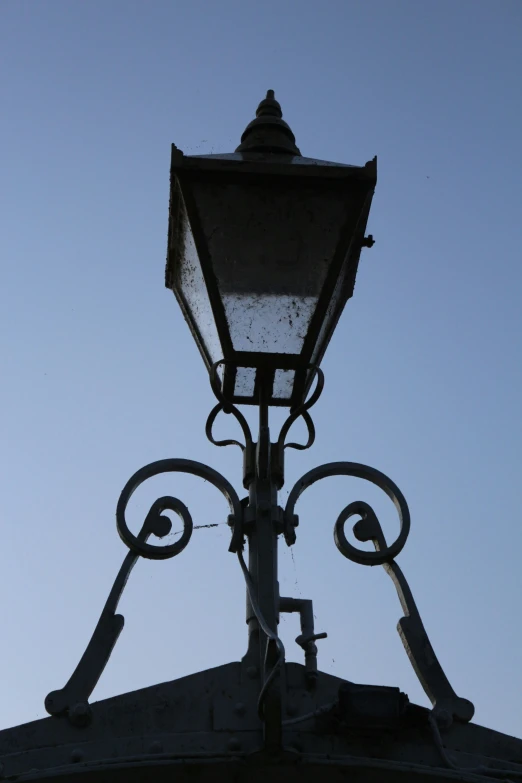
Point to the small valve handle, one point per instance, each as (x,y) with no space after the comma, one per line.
(303,641)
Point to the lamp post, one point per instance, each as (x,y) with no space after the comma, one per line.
(263,251)
(262,256)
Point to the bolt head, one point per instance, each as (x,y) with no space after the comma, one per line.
(161,526)
(252,672)
(156,747)
(233,744)
(239,708)
(76,756)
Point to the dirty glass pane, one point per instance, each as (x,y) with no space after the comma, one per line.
(283,384)
(245,382)
(268,323)
(194,291)
(270,247)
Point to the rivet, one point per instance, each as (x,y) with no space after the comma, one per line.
(252,672)
(239,708)
(156,747)
(76,756)
(234,744)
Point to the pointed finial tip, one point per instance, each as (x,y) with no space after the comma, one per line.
(269,105)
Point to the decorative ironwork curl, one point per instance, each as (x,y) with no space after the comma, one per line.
(422,657)
(446,704)
(73,698)
(227,407)
(151,551)
(367,473)
(302,410)
(228,442)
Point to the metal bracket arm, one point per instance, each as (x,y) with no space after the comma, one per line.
(73,698)
(410,627)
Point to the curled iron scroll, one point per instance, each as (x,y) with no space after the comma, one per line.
(356,470)
(73,698)
(227,407)
(302,410)
(152,551)
(446,704)
(410,627)
(209,426)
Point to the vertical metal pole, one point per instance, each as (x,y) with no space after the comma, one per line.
(262,548)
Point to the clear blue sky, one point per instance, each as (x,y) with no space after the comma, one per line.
(100,375)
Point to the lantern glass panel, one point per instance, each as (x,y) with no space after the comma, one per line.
(245,382)
(283,384)
(194,292)
(270,248)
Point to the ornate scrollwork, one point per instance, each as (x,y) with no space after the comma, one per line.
(356,470)
(73,698)
(209,429)
(446,704)
(228,408)
(152,551)
(302,410)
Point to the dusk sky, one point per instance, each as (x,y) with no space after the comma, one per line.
(101,375)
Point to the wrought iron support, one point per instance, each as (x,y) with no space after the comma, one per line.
(446,704)
(261,520)
(73,698)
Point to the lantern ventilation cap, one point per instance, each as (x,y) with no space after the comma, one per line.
(269,133)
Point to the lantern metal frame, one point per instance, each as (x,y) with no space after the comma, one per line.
(256,168)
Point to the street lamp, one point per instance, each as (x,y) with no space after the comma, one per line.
(262,255)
